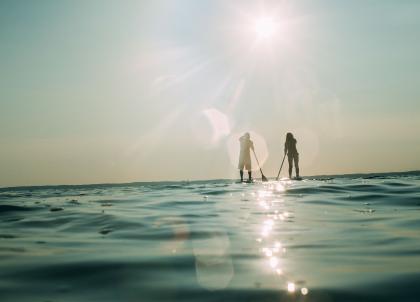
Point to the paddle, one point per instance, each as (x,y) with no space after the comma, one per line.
(263,178)
(278,174)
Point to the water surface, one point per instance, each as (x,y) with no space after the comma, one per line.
(349,238)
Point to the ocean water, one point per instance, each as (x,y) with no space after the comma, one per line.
(344,238)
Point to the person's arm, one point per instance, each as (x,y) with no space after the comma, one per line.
(285,148)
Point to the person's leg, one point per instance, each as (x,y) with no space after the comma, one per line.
(297,165)
(290,159)
(248,168)
(241,172)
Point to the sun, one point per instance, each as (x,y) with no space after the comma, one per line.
(265,27)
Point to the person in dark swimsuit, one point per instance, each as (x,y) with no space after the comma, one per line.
(292,154)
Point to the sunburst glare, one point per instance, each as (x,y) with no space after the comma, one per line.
(265,27)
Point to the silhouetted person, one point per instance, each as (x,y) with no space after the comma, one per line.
(292,154)
(245,155)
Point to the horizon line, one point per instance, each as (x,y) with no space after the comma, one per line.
(206,180)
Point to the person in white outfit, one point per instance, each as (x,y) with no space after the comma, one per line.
(245,156)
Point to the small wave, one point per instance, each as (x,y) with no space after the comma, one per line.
(7,236)
(187,203)
(365,197)
(12,208)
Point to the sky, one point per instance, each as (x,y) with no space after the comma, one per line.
(124,91)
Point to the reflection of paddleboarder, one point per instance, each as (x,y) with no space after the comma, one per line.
(245,155)
(292,154)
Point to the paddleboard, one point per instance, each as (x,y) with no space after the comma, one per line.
(293,178)
(245,182)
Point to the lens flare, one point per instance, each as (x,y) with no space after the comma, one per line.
(210,126)
(291,287)
(260,145)
(219,122)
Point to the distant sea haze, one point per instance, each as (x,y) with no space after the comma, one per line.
(163,182)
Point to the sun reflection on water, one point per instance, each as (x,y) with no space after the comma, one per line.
(280,187)
(274,261)
(271,203)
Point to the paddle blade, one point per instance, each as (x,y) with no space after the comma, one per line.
(263,178)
